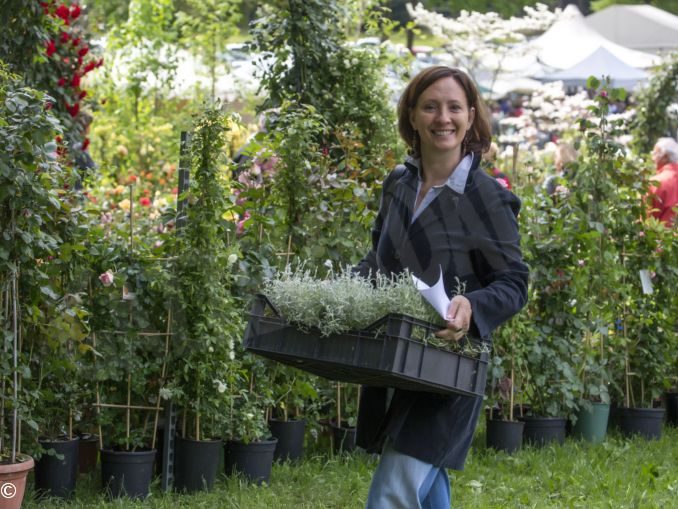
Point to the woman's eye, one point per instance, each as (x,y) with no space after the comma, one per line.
(429,107)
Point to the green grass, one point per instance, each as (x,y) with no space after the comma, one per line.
(618,473)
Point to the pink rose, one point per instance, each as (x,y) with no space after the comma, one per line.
(106,278)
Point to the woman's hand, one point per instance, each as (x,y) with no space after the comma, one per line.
(458,319)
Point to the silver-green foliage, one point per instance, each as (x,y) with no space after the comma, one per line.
(344,301)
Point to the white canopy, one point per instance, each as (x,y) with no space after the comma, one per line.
(600,63)
(641,27)
(570,40)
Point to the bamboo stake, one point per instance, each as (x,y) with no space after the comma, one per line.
(197,421)
(183,423)
(4,304)
(129,405)
(162,374)
(338,404)
(15,361)
(132,407)
(511,394)
(131,219)
(143,334)
(97,389)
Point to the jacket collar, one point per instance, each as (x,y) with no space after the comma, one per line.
(459,177)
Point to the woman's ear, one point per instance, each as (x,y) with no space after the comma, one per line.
(471,116)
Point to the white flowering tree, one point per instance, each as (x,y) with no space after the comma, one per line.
(481,42)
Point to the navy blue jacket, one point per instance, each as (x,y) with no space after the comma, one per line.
(472,236)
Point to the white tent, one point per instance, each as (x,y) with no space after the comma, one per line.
(570,40)
(641,27)
(600,63)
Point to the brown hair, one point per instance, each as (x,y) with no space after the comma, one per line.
(480,134)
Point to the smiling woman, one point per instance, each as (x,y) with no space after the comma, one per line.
(440,216)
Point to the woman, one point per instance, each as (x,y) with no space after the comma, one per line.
(439,211)
(664,185)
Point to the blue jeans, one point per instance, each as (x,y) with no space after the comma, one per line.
(404,482)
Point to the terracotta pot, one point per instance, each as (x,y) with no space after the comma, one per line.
(13,482)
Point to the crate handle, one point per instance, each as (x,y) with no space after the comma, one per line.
(260,303)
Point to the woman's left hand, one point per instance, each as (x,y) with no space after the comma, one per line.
(458,319)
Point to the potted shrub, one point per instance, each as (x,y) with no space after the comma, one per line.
(250,447)
(293,391)
(130,335)
(504,432)
(206,312)
(30,180)
(611,192)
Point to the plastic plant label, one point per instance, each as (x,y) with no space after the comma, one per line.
(646,281)
(435,295)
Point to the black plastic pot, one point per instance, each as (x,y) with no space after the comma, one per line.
(57,477)
(88,453)
(504,436)
(127,473)
(343,437)
(290,435)
(196,463)
(646,422)
(254,460)
(540,431)
(671,405)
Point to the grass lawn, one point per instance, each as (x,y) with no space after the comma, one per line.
(616,474)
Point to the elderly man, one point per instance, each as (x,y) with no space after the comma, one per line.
(664,185)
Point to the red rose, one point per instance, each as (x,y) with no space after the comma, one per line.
(51,48)
(82,94)
(85,144)
(145,202)
(90,66)
(64,37)
(76,41)
(62,12)
(83,51)
(100,62)
(49,105)
(75,11)
(58,139)
(73,110)
(61,82)
(75,82)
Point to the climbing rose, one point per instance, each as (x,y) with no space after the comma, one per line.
(51,48)
(106,278)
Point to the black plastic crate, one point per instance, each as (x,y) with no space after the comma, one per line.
(382,355)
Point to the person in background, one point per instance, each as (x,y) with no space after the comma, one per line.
(563,160)
(490,158)
(663,196)
(440,215)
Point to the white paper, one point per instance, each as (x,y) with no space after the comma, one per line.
(646,281)
(435,294)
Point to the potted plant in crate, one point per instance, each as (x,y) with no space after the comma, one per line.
(30,179)
(206,312)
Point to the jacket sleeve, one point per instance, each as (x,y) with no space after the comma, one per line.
(496,259)
(367,267)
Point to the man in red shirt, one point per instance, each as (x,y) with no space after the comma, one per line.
(664,185)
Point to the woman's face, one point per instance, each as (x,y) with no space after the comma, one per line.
(658,156)
(441,117)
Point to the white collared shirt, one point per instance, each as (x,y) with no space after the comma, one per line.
(456,182)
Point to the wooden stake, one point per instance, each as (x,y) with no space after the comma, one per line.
(162,374)
(129,405)
(338,405)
